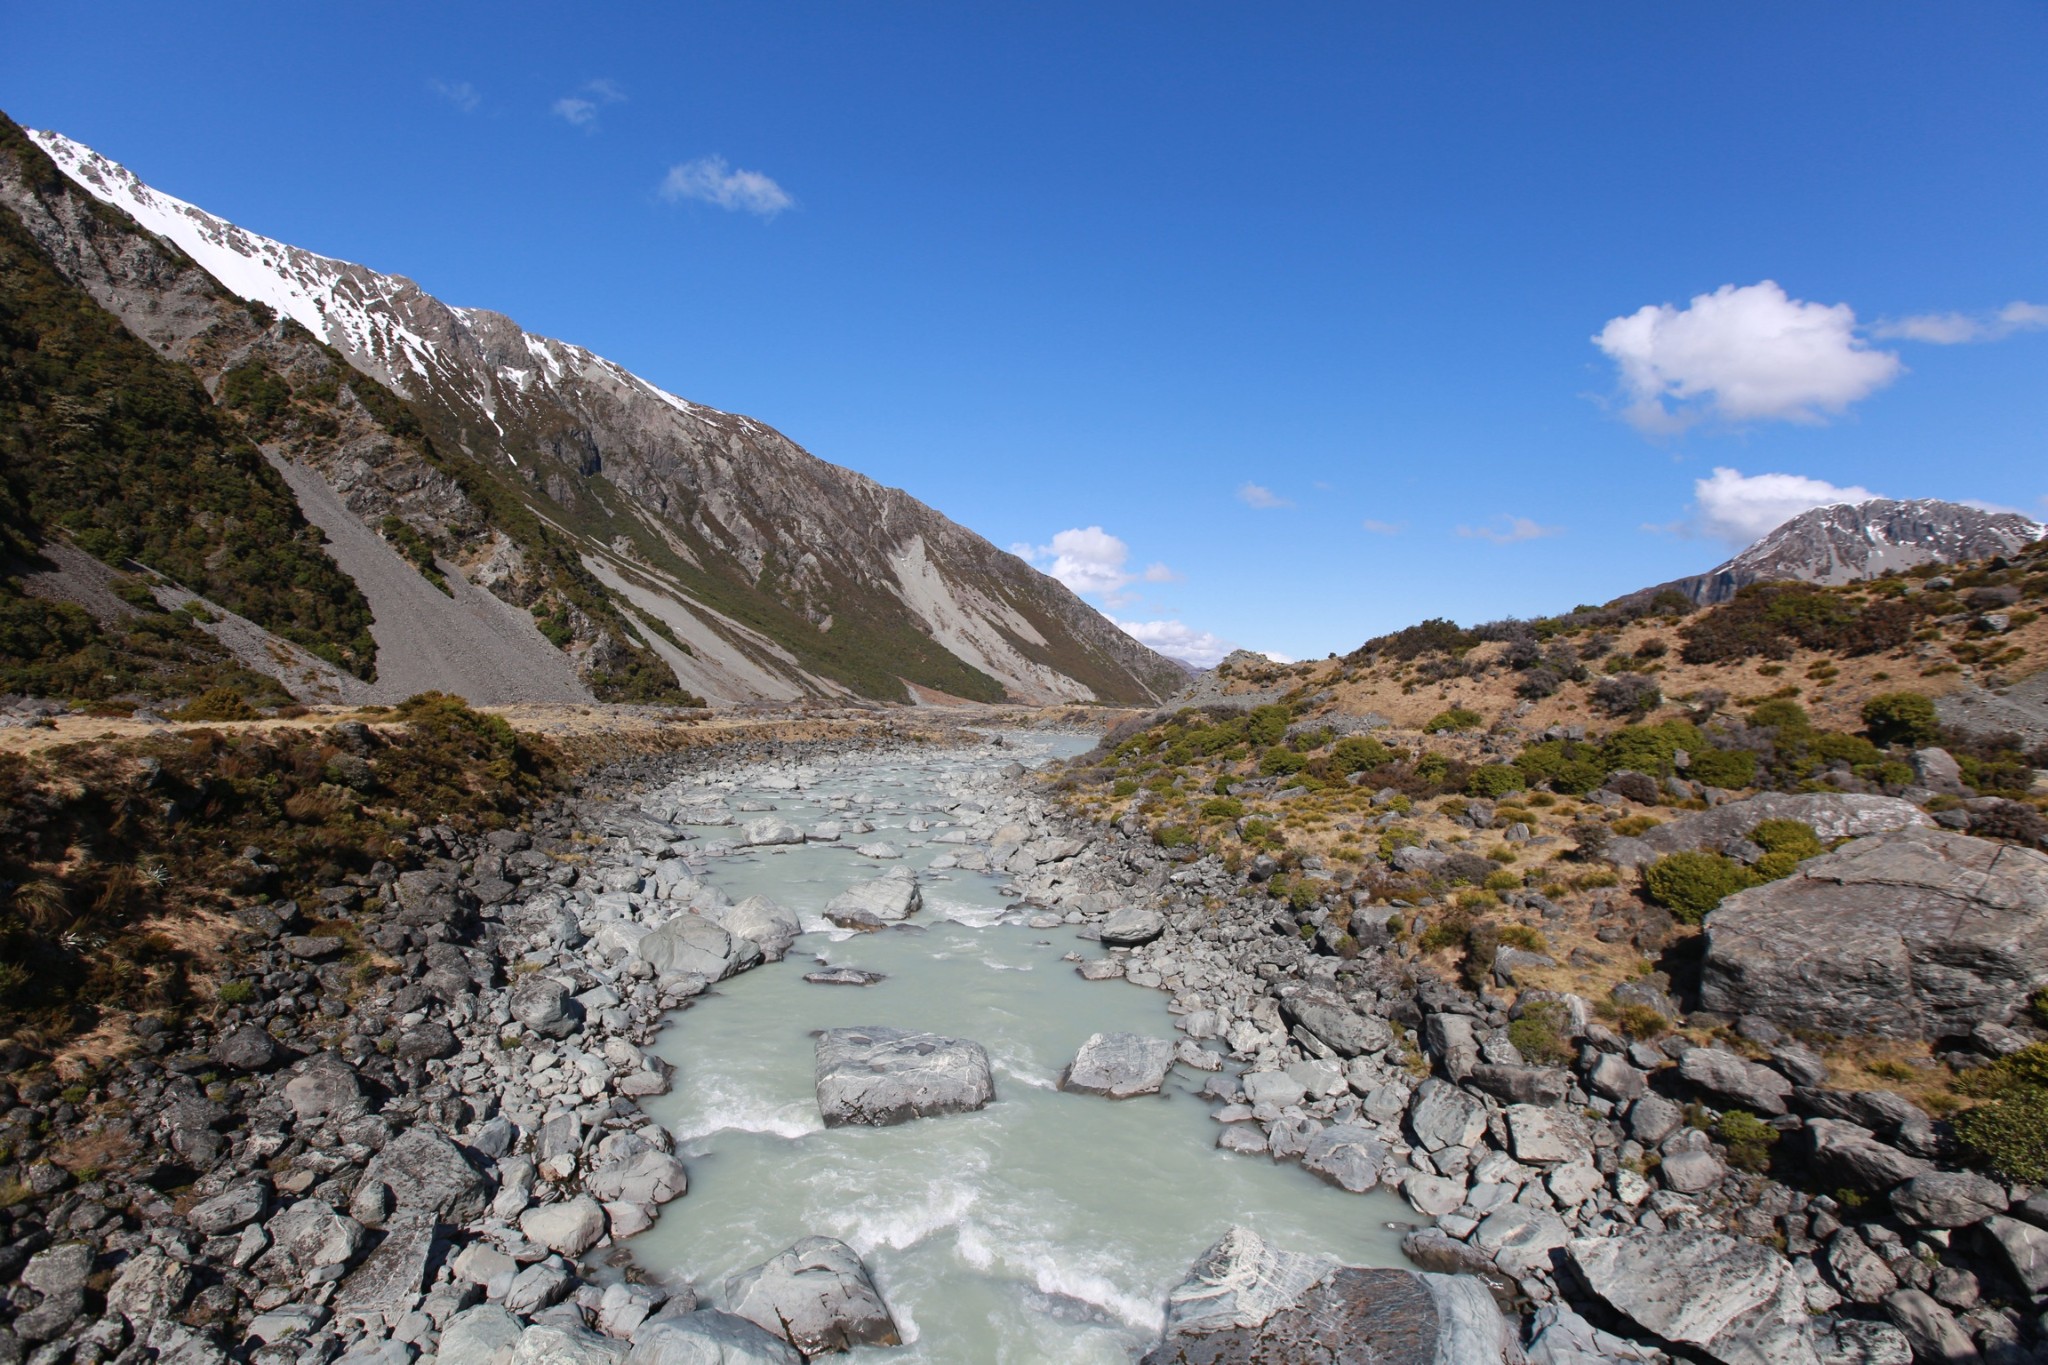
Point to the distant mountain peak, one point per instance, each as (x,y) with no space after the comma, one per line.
(1843,542)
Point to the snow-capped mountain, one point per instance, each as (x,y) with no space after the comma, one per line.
(1848,541)
(564,484)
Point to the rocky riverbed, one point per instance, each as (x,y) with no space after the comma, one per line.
(448,1153)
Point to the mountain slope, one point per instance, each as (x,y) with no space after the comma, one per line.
(753,569)
(1848,541)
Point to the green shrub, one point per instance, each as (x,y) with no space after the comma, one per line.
(1776,866)
(1651,749)
(2009,1132)
(1267,724)
(1359,754)
(1782,713)
(1457,718)
(1788,836)
(1901,718)
(1124,786)
(1523,936)
(1173,836)
(1222,808)
(1690,884)
(1730,768)
(1494,780)
(1432,767)
(1503,880)
(236,992)
(1542,1034)
(1281,763)
(1749,1139)
(219,703)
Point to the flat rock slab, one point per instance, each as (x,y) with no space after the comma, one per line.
(1832,815)
(844,976)
(1250,1304)
(1119,1065)
(1914,935)
(880,1076)
(1131,927)
(889,898)
(1735,1302)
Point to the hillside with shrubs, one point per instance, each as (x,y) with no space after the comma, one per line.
(1452,792)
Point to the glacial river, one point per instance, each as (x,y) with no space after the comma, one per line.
(1046,1227)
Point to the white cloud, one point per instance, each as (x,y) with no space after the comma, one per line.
(1742,508)
(1952,329)
(1384,528)
(461,94)
(1178,640)
(1258,495)
(712,181)
(580,109)
(1089,559)
(1506,530)
(1743,354)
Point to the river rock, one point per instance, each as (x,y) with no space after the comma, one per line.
(843,976)
(149,1286)
(768,926)
(649,1177)
(1347,1155)
(1849,1154)
(1131,927)
(1339,1027)
(2023,1248)
(483,1335)
(879,1076)
(326,1087)
(385,1286)
(1919,934)
(890,898)
(1545,1137)
(544,1005)
(1246,1302)
(769,831)
(817,1295)
(424,1170)
(247,1048)
(1734,1301)
(1119,1065)
(571,1227)
(1441,1115)
(690,945)
(705,1336)
(235,1207)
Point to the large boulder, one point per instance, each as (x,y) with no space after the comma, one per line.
(690,945)
(1247,1302)
(1833,815)
(1131,927)
(1732,1301)
(571,1227)
(1922,934)
(1119,1065)
(705,1336)
(544,1005)
(770,927)
(424,1170)
(888,899)
(768,831)
(1335,1024)
(817,1296)
(1347,1155)
(879,1076)
(1733,1082)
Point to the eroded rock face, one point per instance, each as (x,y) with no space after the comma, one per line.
(817,1296)
(1246,1302)
(1833,815)
(879,1076)
(1919,934)
(1736,1302)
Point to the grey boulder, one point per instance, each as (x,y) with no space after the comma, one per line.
(424,1170)
(1131,927)
(880,1076)
(571,1227)
(544,1005)
(1347,1155)
(483,1335)
(1730,1080)
(1832,815)
(1119,1065)
(1339,1027)
(248,1048)
(1947,1199)
(707,1337)
(1919,934)
(1733,1301)
(691,945)
(768,926)
(817,1295)
(888,899)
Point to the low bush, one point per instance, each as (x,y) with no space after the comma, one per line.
(219,703)
(2008,1133)
(1795,837)
(1901,718)
(1456,718)
(1494,780)
(1543,1034)
(1749,1139)
(1733,769)
(1690,884)
(1628,694)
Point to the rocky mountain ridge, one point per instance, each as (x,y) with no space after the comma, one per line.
(643,533)
(1847,541)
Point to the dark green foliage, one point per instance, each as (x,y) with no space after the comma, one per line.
(413,546)
(2008,1133)
(1901,718)
(218,703)
(56,649)
(105,442)
(1783,714)
(1435,634)
(1564,765)
(1770,620)
(1267,724)
(1456,718)
(1493,780)
(256,391)
(1795,837)
(1730,768)
(1543,1034)
(1281,762)
(1358,755)
(1690,884)
(1651,749)
(1749,1139)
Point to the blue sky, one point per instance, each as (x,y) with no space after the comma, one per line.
(1286,315)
